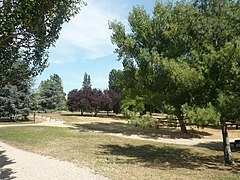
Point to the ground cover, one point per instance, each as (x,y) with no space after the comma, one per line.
(118,124)
(120,158)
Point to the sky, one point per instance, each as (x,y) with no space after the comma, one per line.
(85,45)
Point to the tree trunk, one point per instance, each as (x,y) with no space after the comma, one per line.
(34,116)
(182,124)
(226,145)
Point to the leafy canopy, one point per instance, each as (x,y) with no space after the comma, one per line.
(27,29)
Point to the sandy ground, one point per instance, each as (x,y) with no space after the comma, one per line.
(22,165)
(215,137)
(19,164)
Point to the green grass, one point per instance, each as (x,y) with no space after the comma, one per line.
(118,124)
(121,158)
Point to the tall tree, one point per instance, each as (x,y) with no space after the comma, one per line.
(15,99)
(86,81)
(116,80)
(145,52)
(111,101)
(215,51)
(51,94)
(188,54)
(84,103)
(73,100)
(96,100)
(27,29)
(58,87)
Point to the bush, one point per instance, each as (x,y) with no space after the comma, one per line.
(128,114)
(143,122)
(202,116)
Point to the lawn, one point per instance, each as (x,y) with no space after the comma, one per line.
(118,124)
(121,158)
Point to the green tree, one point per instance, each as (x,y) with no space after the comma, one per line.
(86,81)
(27,29)
(146,51)
(215,51)
(15,99)
(187,55)
(116,80)
(51,94)
(60,98)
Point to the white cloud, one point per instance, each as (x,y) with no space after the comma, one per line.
(88,32)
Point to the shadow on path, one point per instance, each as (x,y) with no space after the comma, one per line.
(5,173)
(127,129)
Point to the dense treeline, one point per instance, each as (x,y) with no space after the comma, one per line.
(184,59)
(50,95)
(88,99)
(18,99)
(27,30)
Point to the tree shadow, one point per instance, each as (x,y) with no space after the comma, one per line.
(164,157)
(5,173)
(217,146)
(9,120)
(100,115)
(213,145)
(149,133)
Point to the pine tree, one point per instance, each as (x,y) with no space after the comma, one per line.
(86,81)
(51,94)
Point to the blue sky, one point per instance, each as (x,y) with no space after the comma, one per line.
(84,44)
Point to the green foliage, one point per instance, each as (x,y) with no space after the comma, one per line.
(143,122)
(51,95)
(186,52)
(135,105)
(128,114)
(86,81)
(15,100)
(27,29)
(116,81)
(229,103)
(202,116)
(154,54)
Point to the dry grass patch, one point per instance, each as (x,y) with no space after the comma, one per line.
(117,124)
(120,158)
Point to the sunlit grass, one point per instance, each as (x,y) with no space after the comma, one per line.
(120,158)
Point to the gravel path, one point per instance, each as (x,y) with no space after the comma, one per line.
(19,164)
(193,141)
(22,165)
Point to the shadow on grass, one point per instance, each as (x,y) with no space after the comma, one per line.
(8,120)
(100,115)
(216,146)
(162,157)
(128,129)
(5,173)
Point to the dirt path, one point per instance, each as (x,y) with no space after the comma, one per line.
(182,141)
(19,164)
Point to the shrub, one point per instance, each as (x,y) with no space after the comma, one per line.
(143,122)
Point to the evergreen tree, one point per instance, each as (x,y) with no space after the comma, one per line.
(15,99)
(185,56)
(86,81)
(51,94)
